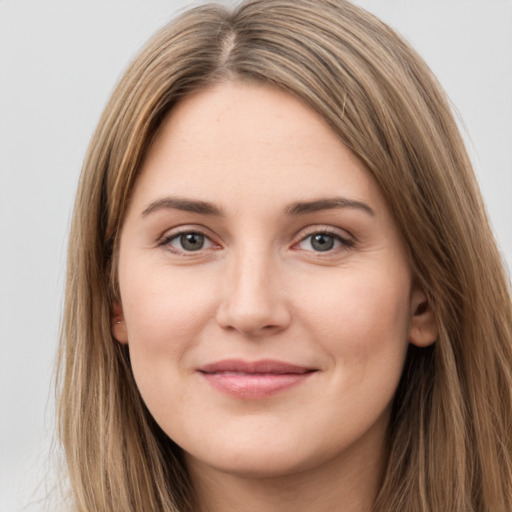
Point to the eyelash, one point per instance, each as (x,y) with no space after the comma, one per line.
(343,242)
(166,241)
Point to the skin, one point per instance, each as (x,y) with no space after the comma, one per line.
(259,288)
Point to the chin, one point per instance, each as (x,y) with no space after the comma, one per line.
(246,464)
(262,458)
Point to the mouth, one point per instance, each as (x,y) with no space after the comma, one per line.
(254,380)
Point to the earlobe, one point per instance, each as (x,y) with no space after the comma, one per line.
(119,330)
(423,329)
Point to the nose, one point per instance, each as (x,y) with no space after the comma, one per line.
(254,301)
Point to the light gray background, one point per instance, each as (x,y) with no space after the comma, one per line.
(59,60)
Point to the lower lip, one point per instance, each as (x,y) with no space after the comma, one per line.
(254,386)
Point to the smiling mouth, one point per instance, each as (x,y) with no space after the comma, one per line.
(254,380)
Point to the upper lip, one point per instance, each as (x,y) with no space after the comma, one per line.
(263,366)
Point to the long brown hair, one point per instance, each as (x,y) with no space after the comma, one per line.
(450,437)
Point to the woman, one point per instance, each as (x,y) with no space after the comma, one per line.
(283,292)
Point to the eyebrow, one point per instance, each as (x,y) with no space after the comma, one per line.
(297,208)
(181,203)
(305,207)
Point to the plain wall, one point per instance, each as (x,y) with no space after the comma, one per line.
(59,60)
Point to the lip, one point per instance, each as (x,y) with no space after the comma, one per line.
(254,379)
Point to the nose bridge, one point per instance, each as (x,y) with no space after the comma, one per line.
(253,298)
(252,277)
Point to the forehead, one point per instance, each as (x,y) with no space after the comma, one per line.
(246,140)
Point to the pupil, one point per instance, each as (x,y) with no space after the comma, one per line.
(192,241)
(321,242)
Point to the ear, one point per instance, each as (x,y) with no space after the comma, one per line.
(119,330)
(423,329)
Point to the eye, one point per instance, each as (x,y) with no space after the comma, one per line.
(323,242)
(188,241)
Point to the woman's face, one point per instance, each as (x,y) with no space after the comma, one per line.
(265,291)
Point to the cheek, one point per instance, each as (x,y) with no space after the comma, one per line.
(361,320)
(164,306)
(165,312)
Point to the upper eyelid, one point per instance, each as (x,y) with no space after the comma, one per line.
(185,228)
(321,228)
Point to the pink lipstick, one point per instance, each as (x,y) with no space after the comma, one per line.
(254,380)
